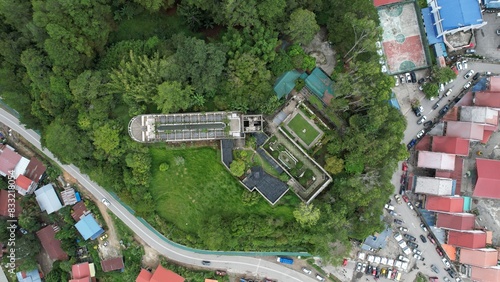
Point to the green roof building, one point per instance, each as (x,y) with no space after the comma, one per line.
(285,83)
(320,84)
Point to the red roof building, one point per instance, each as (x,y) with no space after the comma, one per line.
(8,160)
(456,221)
(444,204)
(379,3)
(144,276)
(495,83)
(450,145)
(24,185)
(79,210)
(4,204)
(466,130)
(471,239)
(112,264)
(485,274)
(52,246)
(488,179)
(162,274)
(82,272)
(35,170)
(487,99)
(479,257)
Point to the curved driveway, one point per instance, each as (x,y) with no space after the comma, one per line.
(234,264)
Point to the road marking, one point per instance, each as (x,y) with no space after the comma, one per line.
(13,122)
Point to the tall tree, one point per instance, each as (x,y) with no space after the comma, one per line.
(307,215)
(172,97)
(302,26)
(155,5)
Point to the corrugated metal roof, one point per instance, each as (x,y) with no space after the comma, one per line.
(487,99)
(485,274)
(471,239)
(482,115)
(450,145)
(466,130)
(436,160)
(434,186)
(459,13)
(488,179)
(456,221)
(444,204)
(161,274)
(479,257)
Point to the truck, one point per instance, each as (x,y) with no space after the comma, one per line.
(284,260)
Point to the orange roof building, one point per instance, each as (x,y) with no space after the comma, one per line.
(444,204)
(490,274)
(144,276)
(479,257)
(162,274)
(450,250)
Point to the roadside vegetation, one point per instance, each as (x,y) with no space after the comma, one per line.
(78,71)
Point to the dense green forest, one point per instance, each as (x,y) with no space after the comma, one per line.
(79,70)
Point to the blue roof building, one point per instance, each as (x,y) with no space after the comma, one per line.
(29,276)
(88,227)
(492,4)
(451,16)
(47,199)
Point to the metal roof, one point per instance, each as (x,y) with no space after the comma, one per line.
(488,179)
(47,199)
(436,160)
(434,186)
(450,145)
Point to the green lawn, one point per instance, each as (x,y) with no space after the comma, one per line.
(298,124)
(187,194)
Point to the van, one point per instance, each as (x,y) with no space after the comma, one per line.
(389,273)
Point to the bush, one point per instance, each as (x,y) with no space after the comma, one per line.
(164,167)
(299,84)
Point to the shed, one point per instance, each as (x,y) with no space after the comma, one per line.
(320,84)
(113,264)
(88,227)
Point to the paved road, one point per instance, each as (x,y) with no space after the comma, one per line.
(234,264)
(412,221)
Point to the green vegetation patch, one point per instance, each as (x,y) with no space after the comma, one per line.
(196,186)
(303,129)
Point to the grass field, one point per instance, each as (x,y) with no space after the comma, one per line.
(298,124)
(187,194)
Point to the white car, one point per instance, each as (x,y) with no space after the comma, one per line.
(459,65)
(466,86)
(358,267)
(363,269)
(397,80)
(320,278)
(398,236)
(469,74)
(408,78)
(402,78)
(446,262)
(403,229)
(420,133)
(464,63)
(384,69)
(423,227)
(421,120)
(306,271)
(448,92)
(105,202)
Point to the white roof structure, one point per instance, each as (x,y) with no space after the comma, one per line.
(21,167)
(47,199)
(361,256)
(436,160)
(481,115)
(434,186)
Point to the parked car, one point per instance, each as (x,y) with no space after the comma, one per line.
(396,78)
(469,74)
(410,238)
(416,251)
(446,262)
(459,65)
(412,245)
(434,268)
(411,144)
(420,134)
(398,236)
(446,279)
(413,77)
(428,123)
(405,198)
(444,110)
(417,256)
(470,51)
(408,78)
(422,119)
(403,229)
(438,250)
(418,110)
(435,106)
(422,237)
(306,270)
(422,80)
(358,267)
(398,221)
(464,63)
(431,239)
(476,76)
(105,202)
(410,206)
(320,278)
(450,272)
(402,78)
(205,262)
(369,269)
(363,268)
(103,237)
(466,86)
(398,197)
(441,87)
(423,227)
(448,92)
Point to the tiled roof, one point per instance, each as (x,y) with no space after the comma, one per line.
(161,275)
(81,270)
(23,182)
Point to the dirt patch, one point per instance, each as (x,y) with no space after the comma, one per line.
(322,51)
(113,247)
(44,261)
(151,257)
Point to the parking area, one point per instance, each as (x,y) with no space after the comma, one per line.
(487,39)
(406,92)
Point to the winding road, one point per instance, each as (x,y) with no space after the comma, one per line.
(234,264)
